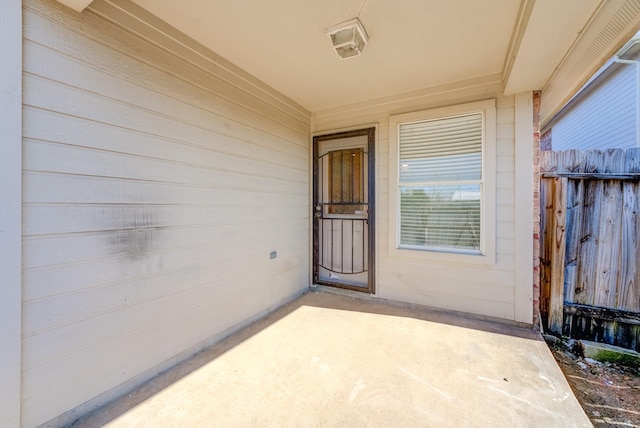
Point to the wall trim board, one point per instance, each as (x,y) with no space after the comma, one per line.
(524,207)
(11,212)
(437,96)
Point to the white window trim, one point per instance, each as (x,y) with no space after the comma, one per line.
(487,254)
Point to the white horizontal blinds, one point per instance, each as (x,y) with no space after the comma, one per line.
(447,149)
(445,217)
(440,183)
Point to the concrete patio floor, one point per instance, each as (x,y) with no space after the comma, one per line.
(331,360)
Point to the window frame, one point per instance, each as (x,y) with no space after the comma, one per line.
(486,254)
(361,187)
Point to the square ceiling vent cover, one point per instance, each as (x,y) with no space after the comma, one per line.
(348,38)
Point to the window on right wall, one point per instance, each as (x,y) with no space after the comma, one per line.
(443,161)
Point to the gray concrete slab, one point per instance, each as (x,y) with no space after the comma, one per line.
(330,360)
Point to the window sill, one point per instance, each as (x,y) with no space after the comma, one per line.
(458,258)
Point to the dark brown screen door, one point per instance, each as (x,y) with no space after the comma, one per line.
(343,210)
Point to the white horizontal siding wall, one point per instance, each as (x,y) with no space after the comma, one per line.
(488,290)
(603,119)
(157,180)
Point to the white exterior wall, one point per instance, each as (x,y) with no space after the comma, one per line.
(502,290)
(157,180)
(604,119)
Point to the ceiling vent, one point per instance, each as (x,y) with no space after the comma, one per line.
(348,38)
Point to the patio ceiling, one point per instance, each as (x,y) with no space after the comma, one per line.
(414,44)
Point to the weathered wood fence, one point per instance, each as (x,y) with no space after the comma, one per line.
(590,245)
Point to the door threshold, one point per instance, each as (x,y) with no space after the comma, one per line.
(360,294)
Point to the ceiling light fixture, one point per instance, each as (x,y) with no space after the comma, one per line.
(348,38)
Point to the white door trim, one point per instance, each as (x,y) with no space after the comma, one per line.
(371,136)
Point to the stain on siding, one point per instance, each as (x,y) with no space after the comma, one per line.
(133,242)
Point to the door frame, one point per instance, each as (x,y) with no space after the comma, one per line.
(370,133)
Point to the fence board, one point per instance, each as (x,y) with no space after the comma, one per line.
(608,244)
(556,299)
(588,252)
(575,193)
(548,161)
(632,160)
(573,162)
(545,250)
(628,296)
(593,161)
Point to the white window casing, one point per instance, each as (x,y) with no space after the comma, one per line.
(442,188)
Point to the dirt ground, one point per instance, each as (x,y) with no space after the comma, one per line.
(609,393)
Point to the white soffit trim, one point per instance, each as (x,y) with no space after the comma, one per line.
(548,30)
(613,25)
(77,5)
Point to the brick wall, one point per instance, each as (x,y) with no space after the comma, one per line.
(546,141)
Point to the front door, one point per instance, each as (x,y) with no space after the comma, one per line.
(344,210)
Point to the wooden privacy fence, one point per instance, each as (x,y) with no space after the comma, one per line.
(590,249)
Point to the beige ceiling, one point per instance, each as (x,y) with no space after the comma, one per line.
(414,44)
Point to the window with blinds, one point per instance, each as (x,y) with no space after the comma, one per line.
(440,183)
